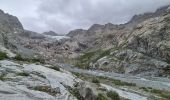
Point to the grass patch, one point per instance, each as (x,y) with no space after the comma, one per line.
(18,57)
(113,95)
(55,68)
(164,95)
(155,91)
(23,74)
(144,88)
(118,82)
(77,74)
(47,89)
(75,93)
(102,54)
(161,93)
(99,79)
(88,57)
(84,60)
(2,77)
(3,55)
(101,97)
(95,80)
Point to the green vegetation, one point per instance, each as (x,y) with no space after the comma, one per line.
(113,95)
(101,78)
(161,93)
(144,88)
(47,89)
(2,77)
(102,54)
(165,95)
(55,68)
(77,74)
(3,55)
(84,60)
(95,80)
(118,82)
(88,57)
(23,74)
(18,57)
(76,93)
(101,97)
(155,91)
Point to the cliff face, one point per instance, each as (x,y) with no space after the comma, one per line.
(10,27)
(9,23)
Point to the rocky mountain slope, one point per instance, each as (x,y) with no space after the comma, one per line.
(121,57)
(139,47)
(142,49)
(9,28)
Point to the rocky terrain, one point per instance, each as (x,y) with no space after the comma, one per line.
(104,62)
(138,49)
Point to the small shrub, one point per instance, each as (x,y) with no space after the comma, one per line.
(162,93)
(76,93)
(47,89)
(117,82)
(101,97)
(95,80)
(2,77)
(145,89)
(55,68)
(113,95)
(77,74)
(156,91)
(19,57)
(165,95)
(23,74)
(120,83)
(34,60)
(102,54)
(3,55)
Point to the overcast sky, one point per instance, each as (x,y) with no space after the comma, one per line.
(62,16)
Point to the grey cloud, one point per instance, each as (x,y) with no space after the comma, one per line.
(83,13)
(62,16)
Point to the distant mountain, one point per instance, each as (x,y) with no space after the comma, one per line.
(32,35)
(50,33)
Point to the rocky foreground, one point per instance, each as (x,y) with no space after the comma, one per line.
(34,82)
